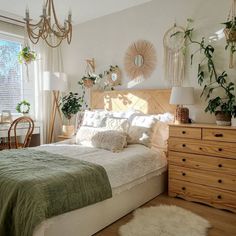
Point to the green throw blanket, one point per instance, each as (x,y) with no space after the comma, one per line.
(36,185)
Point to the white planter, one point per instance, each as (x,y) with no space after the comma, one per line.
(233,121)
(68,130)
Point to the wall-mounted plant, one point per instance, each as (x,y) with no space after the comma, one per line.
(214,83)
(89,80)
(113,76)
(23,107)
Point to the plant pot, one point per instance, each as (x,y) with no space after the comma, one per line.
(88,83)
(230,35)
(233,121)
(222,118)
(68,130)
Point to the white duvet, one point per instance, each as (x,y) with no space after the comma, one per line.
(134,165)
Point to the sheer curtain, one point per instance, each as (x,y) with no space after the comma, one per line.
(48,59)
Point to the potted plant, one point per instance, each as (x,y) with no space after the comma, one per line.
(23,107)
(217,89)
(89,80)
(70,105)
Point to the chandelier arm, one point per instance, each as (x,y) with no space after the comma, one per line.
(55,16)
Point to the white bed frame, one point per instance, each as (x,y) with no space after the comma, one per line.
(89,220)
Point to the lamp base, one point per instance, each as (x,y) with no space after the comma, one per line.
(182,115)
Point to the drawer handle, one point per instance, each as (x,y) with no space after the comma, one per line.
(183,159)
(220,149)
(183,188)
(183,145)
(220,165)
(183,132)
(184,174)
(220,181)
(200,148)
(219,197)
(219,135)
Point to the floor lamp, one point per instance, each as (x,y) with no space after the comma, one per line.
(55,82)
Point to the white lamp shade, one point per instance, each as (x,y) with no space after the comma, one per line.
(182,96)
(56,81)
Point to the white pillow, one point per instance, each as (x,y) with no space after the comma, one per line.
(102,138)
(128,114)
(119,124)
(140,130)
(111,140)
(165,117)
(84,135)
(94,118)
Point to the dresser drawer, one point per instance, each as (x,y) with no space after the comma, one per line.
(213,179)
(219,135)
(185,132)
(195,192)
(219,149)
(201,162)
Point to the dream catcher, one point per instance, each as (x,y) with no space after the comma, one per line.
(230,33)
(174,57)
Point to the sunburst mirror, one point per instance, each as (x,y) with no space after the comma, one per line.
(140,59)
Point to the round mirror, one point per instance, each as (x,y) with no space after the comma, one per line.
(138,60)
(113,76)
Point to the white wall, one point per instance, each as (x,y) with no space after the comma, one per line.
(107,39)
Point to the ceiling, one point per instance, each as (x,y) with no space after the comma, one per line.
(82,10)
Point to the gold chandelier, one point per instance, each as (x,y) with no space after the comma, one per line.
(48,27)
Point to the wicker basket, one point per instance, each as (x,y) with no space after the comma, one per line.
(230,34)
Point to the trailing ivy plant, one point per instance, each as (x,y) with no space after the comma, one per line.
(210,79)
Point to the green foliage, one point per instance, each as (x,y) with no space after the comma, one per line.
(71,104)
(26,55)
(211,81)
(23,107)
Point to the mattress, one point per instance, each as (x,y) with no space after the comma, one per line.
(134,165)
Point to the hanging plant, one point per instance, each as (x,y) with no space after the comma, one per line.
(23,107)
(89,80)
(26,55)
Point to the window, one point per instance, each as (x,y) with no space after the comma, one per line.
(13,86)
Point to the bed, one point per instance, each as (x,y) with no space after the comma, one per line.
(136,175)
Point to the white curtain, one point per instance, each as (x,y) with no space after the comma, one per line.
(48,59)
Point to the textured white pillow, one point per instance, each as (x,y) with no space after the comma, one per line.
(119,124)
(140,130)
(85,133)
(165,117)
(94,118)
(112,140)
(128,114)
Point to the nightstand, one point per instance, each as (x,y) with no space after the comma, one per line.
(202,164)
(62,137)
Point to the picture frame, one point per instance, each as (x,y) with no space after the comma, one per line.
(6,116)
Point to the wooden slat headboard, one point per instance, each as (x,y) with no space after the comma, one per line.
(149,101)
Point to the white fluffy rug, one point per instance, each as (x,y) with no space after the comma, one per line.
(165,220)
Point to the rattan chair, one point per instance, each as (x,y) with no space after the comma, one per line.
(12,140)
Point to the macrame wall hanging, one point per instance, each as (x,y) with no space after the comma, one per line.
(174,57)
(230,33)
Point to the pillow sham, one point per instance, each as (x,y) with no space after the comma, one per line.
(94,118)
(119,124)
(111,140)
(141,129)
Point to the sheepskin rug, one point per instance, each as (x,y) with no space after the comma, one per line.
(165,220)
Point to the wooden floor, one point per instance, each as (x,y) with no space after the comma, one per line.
(223,222)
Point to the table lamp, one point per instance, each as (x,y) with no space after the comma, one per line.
(182,96)
(56,82)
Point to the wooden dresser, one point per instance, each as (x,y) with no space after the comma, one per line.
(202,164)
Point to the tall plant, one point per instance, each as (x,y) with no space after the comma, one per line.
(210,79)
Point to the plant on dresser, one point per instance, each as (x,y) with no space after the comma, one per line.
(202,164)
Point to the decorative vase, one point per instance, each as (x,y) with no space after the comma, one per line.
(222,118)
(230,35)
(68,130)
(233,121)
